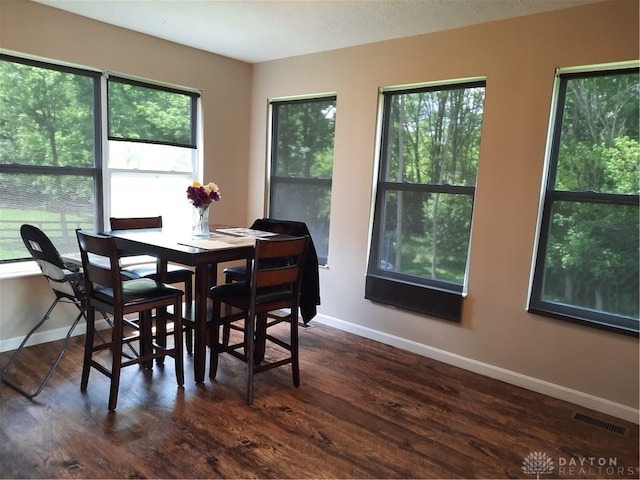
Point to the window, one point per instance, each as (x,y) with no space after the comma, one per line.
(302,165)
(152,152)
(424,197)
(586,267)
(53,141)
(50,167)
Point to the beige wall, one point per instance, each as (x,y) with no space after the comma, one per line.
(518,58)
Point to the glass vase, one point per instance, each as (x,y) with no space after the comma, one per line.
(201,227)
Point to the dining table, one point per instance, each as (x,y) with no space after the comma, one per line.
(204,254)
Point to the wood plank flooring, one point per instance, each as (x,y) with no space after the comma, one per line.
(363,410)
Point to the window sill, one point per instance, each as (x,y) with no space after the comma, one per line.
(428,300)
(19,270)
(620,325)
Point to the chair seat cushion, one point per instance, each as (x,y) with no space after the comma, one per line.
(238,293)
(175,274)
(138,291)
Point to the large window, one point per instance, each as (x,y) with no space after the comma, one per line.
(302,165)
(424,197)
(49,153)
(152,151)
(586,268)
(62,168)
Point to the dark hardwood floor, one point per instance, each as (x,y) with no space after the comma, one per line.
(363,410)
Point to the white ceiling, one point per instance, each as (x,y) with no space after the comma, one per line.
(261,30)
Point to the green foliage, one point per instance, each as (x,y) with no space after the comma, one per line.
(622,167)
(434,137)
(599,142)
(433,244)
(46,117)
(143,113)
(592,257)
(583,167)
(305,139)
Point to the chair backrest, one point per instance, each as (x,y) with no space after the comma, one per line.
(275,275)
(44,252)
(286,227)
(135,223)
(100,262)
(311,280)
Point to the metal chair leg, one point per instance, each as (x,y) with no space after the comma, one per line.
(6,379)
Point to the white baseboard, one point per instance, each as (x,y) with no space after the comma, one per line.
(49,335)
(530,383)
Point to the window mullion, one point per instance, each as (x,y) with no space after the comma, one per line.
(301,180)
(595,197)
(47,170)
(426,187)
(104,186)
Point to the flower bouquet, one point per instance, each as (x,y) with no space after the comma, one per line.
(201,197)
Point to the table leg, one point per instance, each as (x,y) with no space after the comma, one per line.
(200,341)
(161,313)
(260,337)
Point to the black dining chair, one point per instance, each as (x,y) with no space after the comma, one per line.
(274,283)
(175,274)
(310,294)
(310,290)
(106,291)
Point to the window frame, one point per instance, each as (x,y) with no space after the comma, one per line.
(550,196)
(423,295)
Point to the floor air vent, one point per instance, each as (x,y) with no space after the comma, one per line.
(601,424)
